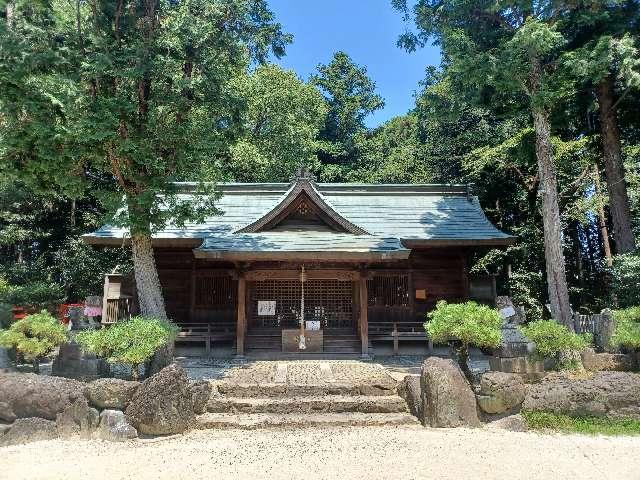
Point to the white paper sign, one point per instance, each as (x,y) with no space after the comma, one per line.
(508,312)
(313,325)
(266,308)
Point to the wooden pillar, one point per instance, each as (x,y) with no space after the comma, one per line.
(363,321)
(241,326)
(192,292)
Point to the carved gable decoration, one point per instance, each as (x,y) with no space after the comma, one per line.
(303,207)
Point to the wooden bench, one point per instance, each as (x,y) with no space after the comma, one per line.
(397,332)
(207,333)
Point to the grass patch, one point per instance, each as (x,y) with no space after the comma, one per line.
(586,425)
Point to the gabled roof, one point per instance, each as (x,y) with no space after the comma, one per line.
(364,217)
(303,188)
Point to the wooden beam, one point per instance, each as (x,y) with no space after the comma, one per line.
(241,326)
(192,292)
(343,275)
(363,320)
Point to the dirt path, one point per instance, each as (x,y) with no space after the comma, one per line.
(347,453)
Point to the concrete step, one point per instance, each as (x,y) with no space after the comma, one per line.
(308,405)
(280,390)
(265,420)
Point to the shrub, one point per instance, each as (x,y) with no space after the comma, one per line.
(34,337)
(625,278)
(38,294)
(553,340)
(470,323)
(627,330)
(132,342)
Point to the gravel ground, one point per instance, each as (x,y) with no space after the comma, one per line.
(346,453)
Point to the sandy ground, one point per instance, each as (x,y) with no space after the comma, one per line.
(342,453)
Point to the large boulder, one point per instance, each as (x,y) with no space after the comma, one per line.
(447,398)
(410,390)
(595,362)
(114,427)
(500,392)
(77,419)
(24,395)
(163,404)
(603,394)
(111,393)
(25,430)
(512,423)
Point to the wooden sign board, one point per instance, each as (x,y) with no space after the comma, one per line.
(266,308)
(421,294)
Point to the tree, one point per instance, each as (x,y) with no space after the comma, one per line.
(280,125)
(124,98)
(351,97)
(501,51)
(606,58)
(467,323)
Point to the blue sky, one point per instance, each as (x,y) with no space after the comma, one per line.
(367,30)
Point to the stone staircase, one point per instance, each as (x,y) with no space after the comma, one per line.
(312,399)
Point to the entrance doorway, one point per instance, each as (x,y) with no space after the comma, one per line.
(275,304)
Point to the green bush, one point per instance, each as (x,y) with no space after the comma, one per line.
(132,342)
(37,294)
(627,330)
(470,323)
(34,337)
(625,278)
(553,339)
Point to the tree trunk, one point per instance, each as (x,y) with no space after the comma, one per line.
(602,220)
(614,168)
(554,257)
(147,281)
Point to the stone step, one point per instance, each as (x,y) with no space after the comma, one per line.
(280,390)
(265,420)
(326,404)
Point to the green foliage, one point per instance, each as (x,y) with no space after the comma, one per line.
(131,342)
(6,315)
(280,124)
(469,322)
(627,330)
(551,338)
(625,279)
(35,294)
(536,420)
(35,336)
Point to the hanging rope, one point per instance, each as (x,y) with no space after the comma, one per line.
(302,344)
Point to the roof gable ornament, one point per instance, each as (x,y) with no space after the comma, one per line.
(303,194)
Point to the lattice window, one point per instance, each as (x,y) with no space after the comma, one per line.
(328,301)
(388,291)
(215,292)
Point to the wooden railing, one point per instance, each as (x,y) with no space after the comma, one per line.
(207,333)
(397,332)
(118,309)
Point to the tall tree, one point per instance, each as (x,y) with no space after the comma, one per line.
(351,96)
(124,97)
(605,57)
(507,49)
(280,126)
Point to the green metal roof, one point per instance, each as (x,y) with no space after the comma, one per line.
(389,215)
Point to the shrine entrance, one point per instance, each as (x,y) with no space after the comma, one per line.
(276,304)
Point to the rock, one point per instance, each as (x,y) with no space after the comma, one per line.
(594,362)
(114,427)
(163,404)
(516,365)
(200,392)
(111,393)
(447,398)
(4,428)
(25,430)
(77,419)
(500,392)
(24,395)
(603,394)
(512,423)
(409,389)
(72,362)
